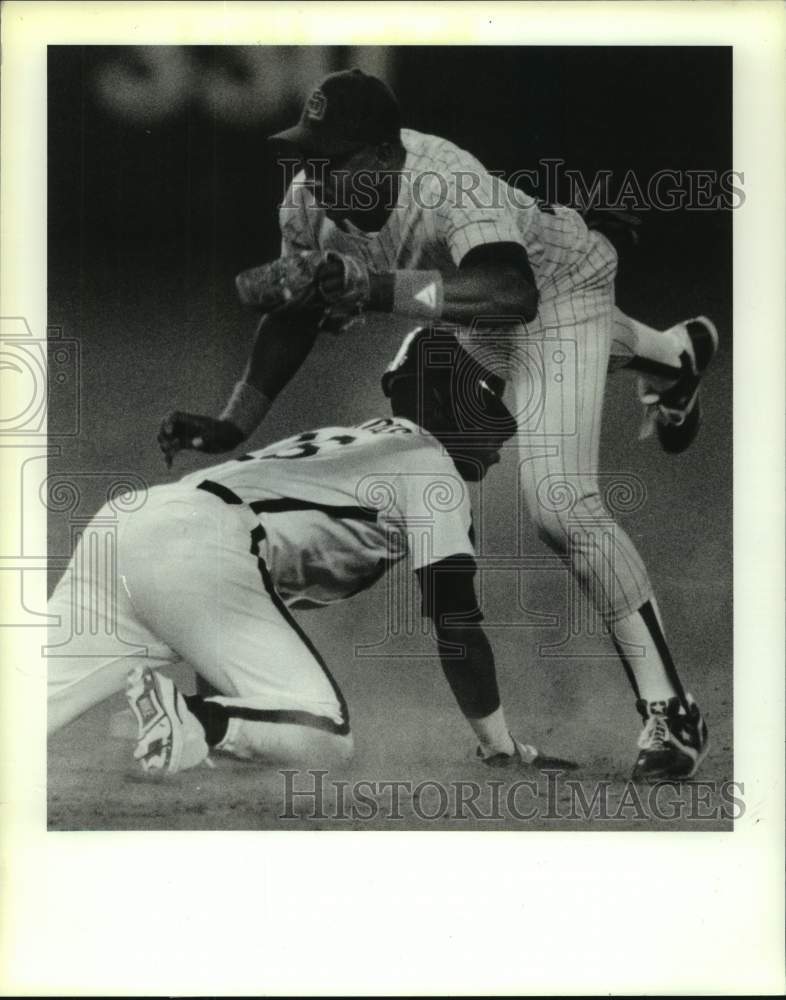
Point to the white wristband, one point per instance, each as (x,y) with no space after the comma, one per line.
(246,408)
(418,293)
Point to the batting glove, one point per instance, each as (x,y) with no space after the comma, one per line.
(180,431)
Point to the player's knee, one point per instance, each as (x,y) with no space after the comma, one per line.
(552,530)
(569,515)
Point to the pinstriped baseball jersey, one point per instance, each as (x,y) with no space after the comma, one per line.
(448,204)
(339,505)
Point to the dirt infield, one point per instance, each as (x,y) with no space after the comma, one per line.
(408,731)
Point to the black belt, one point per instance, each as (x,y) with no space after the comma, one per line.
(222,492)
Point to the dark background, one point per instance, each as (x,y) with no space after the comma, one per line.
(153,211)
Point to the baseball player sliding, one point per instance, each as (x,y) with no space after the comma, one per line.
(386,219)
(210,566)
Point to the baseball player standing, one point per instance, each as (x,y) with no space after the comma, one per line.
(387,219)
(210,566)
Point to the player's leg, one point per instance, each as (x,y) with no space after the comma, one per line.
(674,738)
(671,364)
(560,441)
(211,598)
(634,342)
(95,635)
(560,487)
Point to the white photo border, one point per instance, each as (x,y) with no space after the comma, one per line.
(410,913)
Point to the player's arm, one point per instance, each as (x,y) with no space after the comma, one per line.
(493,279)
(449,600)
(281,345)
(284,337)
(492,276)
(482,234)
(283,340)
(468,663)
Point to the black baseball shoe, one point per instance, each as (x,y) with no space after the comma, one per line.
(672,743)
(675,412)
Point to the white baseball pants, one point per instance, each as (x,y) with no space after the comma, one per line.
(188,582)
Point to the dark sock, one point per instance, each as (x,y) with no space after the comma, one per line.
(647,612)
(213,716)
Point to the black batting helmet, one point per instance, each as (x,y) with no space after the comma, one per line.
(434,358)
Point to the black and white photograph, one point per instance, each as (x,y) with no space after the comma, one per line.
(393,441)
(405,395)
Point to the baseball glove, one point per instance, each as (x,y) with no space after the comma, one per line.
(331,283)
(620,228)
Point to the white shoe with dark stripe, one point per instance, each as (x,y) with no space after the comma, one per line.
(675,413)
(170,738)
(672,743)
(525,756)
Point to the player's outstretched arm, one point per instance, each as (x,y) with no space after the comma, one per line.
(467,659)
(281,345)
(493,279)
(449,599)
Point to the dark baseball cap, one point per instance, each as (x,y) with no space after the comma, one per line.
(347,111)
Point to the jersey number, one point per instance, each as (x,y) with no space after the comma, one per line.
(303,446)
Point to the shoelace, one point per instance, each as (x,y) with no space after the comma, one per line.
(655,411)
(655,733)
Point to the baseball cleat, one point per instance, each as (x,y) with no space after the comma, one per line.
(672,743)
(170,738)
(527,756)
(675,413)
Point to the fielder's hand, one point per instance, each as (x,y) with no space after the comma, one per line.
(330,283)
(620,228)
(528,757)
(180,431)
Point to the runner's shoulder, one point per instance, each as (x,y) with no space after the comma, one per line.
(413,447)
